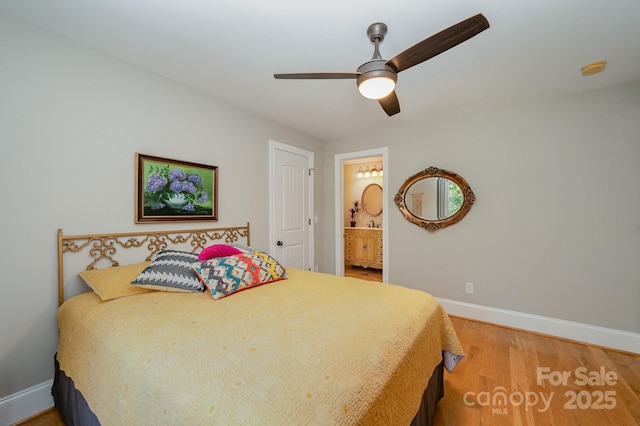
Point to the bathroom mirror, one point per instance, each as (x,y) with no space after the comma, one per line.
(372,200)
(434,198)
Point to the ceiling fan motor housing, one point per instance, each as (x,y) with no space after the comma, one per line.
(376,32)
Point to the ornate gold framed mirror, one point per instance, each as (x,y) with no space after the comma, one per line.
(435,198)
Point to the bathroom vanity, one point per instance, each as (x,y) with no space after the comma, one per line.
(363,247)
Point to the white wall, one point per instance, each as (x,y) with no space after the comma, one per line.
(71,119)
(555,230)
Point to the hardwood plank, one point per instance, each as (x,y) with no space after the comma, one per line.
(49,417)
(504,359)
(369,274)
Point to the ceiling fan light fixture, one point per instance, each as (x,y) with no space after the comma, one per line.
(376,79)
(376,87)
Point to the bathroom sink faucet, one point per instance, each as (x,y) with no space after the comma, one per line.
(372,224)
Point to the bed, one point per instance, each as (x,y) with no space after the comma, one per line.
(305,348)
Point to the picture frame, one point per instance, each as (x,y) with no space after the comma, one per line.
(168,190)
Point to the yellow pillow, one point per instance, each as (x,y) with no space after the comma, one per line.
(112,283)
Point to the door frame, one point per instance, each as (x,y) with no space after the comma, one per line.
(273,146)
(339,160)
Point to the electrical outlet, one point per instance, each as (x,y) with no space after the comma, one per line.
(469,288)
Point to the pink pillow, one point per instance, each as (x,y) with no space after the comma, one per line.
(218,250)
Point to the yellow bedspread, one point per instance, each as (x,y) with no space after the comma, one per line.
(312,349)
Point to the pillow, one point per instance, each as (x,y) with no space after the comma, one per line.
(224,276)
(114,282)
(170,271)
(217,250)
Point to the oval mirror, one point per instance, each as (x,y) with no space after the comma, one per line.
(372,200)
(434,198)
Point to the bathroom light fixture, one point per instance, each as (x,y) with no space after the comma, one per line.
(369,172)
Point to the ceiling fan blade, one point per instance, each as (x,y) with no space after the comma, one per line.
(390,104)
(440,42)
(317,75)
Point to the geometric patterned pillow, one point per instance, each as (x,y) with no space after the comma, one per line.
(170,271)
(224,276)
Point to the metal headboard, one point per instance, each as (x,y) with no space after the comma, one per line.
(104,247)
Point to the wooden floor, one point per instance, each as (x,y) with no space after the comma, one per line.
(369,274)
(504,362)
(49,417)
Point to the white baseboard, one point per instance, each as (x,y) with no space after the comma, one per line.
(595,335)
(26,403)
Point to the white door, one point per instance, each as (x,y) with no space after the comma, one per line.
(291,203)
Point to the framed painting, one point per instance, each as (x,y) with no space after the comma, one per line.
(172,190)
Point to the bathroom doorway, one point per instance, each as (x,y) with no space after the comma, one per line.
(360,219)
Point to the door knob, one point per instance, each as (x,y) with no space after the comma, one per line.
(279,243)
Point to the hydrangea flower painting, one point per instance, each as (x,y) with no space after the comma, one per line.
(172,190)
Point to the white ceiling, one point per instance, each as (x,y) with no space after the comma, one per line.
(231,49)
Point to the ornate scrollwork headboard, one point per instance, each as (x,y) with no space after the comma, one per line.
(107,248)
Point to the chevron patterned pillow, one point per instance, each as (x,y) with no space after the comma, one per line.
(170,271)
(224,276)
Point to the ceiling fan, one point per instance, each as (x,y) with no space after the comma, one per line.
(376,79)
